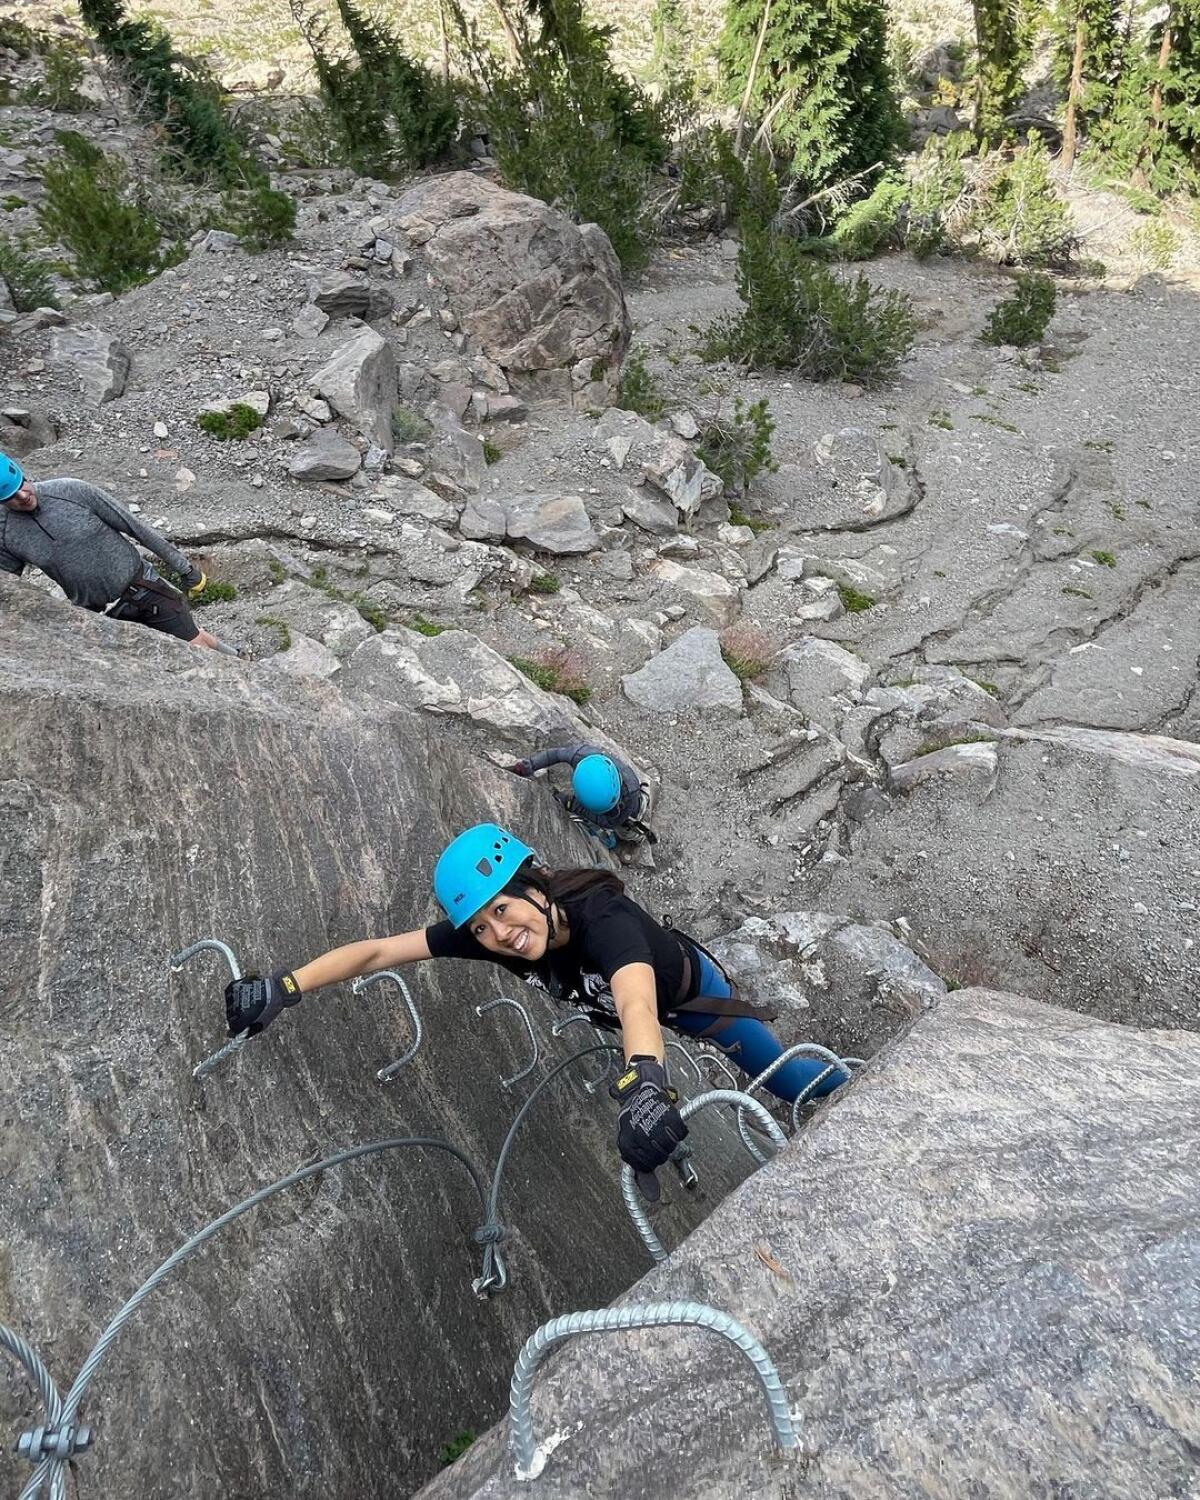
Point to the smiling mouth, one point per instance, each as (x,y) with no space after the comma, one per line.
(520,942)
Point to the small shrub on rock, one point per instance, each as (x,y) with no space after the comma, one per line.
(939,197)
(408,427)
(234,425)
(281,628)
(799,315)
(557,670)
(854,601)
(747,651)
(873,224)
(89,207)
(545,582)
(27,277)
(1021,319)
(62,73)
(737,447)
(16,36)
(422,626)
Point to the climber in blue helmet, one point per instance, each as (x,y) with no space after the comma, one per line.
(608,798)
(577,934)
(78,535)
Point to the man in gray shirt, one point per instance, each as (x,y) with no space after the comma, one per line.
(76,534)
(607,795)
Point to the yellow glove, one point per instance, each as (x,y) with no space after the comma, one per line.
(197,588)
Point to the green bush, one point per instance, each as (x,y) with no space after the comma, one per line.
(1155,244)
(873,223)
(1019,218)
(799,315)
(640,390)
(16,36)
(28,278)
(423,626)
(1021,319)
(854,602)
(234,425)
(88,207)
(261,217)
(408,427)
(544,582)
(62,73)
(491,453)
(738,447)
(938,194)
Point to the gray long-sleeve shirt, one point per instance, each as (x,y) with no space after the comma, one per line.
(75,536)
(631,787)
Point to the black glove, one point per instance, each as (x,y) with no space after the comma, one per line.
(649,1126)
(521,768)
(251,1004)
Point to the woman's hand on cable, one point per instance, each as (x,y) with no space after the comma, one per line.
(252,1003)
(649,1126)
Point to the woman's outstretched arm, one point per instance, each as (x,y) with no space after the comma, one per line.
(353,959)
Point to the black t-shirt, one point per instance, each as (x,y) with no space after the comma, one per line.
(608,931)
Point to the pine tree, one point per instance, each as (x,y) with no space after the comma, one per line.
(817,71)
(1003,45)
(668,27)
(421,108)
(186,102)
(1087,53)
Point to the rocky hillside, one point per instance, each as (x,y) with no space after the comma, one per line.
(960,748)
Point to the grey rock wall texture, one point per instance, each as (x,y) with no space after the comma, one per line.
(329,1343)
(975,1271)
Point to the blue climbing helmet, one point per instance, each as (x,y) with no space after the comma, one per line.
(12,477)
(597,783)
(474,867)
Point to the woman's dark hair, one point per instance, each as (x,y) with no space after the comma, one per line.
(562,885)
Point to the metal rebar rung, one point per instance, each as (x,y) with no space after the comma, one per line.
(364,982)
(212,945)
(692,1106)
(620,1319)
(507,1083)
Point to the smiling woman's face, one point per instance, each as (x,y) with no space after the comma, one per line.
(512,926)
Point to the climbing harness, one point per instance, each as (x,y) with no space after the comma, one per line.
(621,1319)
(507,1083)
(690,1107)
(364,982)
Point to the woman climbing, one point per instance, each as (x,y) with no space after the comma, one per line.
(578,935)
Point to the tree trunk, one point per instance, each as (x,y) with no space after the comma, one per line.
(1164,57)
(514,42)
(745,105)
(444,35)
(1074,93)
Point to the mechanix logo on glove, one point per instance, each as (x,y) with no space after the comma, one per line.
(649,1126)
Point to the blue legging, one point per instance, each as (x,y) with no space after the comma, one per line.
(751,1045)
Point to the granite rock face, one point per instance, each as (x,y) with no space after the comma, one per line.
(975,1272)
(328,1343)
(101,361)
(541,295)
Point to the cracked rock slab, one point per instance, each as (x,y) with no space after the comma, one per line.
(359,382)
(972,1268)
(549,523)
(818,677)
(691,673)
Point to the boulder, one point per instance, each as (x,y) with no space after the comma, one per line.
(849,986)
(853,483)
(974,759)
(305,657)
(691,673)
(716,597)
(651,514)
(359,382)
(310,613)
(549,523)
(539,294)
(295,820)
(99,359)
(818,677)
(456,674)
(24,429)
(971,1269)
(324,455)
